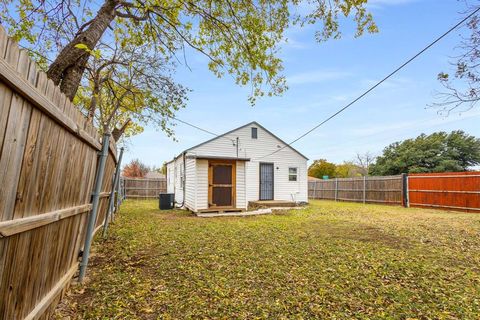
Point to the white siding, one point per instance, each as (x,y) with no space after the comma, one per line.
(190,184)
(202,184)
(240,183)
(174,185)
(170,177)
(256,150)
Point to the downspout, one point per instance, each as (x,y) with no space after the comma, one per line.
(245,183)
(174,176)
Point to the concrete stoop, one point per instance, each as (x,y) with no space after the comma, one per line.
(246,213)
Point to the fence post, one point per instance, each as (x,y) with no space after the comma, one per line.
(364,189)
(95,202)
(406,202)
(336,189)
(124,188)
(112,193)
(314,189)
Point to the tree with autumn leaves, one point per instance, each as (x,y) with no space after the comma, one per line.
(135,169)
(100,53)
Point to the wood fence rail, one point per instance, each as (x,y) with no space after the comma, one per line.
(387,190)
(448,191)
(143,188)
(48,164)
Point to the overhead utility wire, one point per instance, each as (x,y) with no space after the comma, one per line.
(198,128)
(377,84)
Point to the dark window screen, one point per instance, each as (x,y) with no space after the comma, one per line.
(254,133)
(222,174)
(222,196)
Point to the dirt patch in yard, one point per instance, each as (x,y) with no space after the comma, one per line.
(375,235)
(360,232)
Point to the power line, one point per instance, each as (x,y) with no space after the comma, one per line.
(201,129)
(194,126)
(377,84)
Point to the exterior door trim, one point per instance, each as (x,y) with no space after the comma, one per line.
(260,180)
(231,163)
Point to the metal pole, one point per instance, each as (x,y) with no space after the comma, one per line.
(408,188)
(364,189)
(119,194)
(124,191)
(95,201)
(112,193)
(406,201)
(336,189)
(117,187)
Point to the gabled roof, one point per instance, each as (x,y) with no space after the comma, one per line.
(241,127)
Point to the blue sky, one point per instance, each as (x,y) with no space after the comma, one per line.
(323,78)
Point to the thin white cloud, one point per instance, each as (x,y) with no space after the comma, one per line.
(418,124)
(291,43)
(316,77)
(393,83)
(378,4)
(374,139)
(390,2)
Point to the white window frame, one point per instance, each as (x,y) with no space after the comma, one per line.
(290,175)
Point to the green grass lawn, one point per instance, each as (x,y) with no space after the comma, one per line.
(329,261)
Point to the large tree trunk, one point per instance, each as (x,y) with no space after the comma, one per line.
(118,132)
(69,66)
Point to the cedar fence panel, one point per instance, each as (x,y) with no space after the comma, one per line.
(387,190)
(142,188)
(48,160)
(449,191)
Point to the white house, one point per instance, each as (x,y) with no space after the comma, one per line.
(227,172)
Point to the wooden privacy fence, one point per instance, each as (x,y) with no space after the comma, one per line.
(453,190)
(48,164)
(387,190)
(449,191)
(142,188)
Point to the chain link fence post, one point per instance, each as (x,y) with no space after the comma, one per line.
(95,203)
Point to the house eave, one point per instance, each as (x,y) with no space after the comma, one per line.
(216,158)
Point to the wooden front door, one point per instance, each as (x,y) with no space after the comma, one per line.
(221,184)
(266,181)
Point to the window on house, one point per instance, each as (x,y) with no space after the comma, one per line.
(292,174)
(254,133)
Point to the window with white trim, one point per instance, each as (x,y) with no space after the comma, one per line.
(292,174)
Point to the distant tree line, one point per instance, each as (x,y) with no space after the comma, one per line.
(437,152)
(138,169)
(322,168)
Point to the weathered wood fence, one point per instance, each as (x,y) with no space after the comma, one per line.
(48,164)
(141,188)
(387,190)
(448,191)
